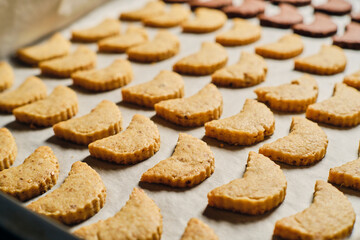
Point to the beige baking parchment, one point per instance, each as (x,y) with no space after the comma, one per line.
(179,205)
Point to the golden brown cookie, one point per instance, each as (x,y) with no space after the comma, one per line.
(8,150)
(290,97)
(197,230)
(262,188)
(57,46)
(330,60)
(305,144)
(31,90)
(330,216)
(251,125)
(103,121)
(211,57)
(151,8)
(346,175)
(165,45)
(286,47)
(206,20)
(138,142)
(140,218)
(250,70)
(118,74)
(353,80)
(204,106)
(36,175)
(166,85)
(342,109)
(133,36)
(6,76)
(243,32)
(60,105)
(174,17)
(107,28)
(82,59)
(80,197)
(190,164)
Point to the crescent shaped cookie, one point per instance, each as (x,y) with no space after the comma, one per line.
(330,216)
(290,97)
(8,150)
(211,57)
(190,164)
(163,46)
(151,8)
(107,28)
(166,85)
(334,7)
(287,17)
(6,76)
(353,80)
(351,37)
(138,142)
(243,32)
(36,175)
(215,4)
(103,121)
(322,26)
(328,61)
(342,109)
(250,70)
(197,230)
(346,175)
(204,106)
(305,144)
(60,105)
(297,3)
(262,188)
(288,46)
(31,90)
(247,9)
(140,218)
(118,74)
(81,59)
(80,197)
(251,125)
(57,46)
(175,16)
(206,20)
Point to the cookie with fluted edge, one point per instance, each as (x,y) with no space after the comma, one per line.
(330,216)
(133,36)
(250,70)
(290,97)
(251,125)
(81,196)
(151,8)
(211,57)
(57,46)
(353,80)
(166,85)
(31,90)
(107,28)
(206,20)
(138,142)
(346,175)
(306,144)
(6,76)
(164,45)
(116,75)
(261,189)
(328,61)
(36,175)
(172,18)
(198,230)
(243,32)
(202,107)
(60,105)
(8,150)
(288,46)
(140,218)
(103,121)
(81,59)
(342,109)
(190,164)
